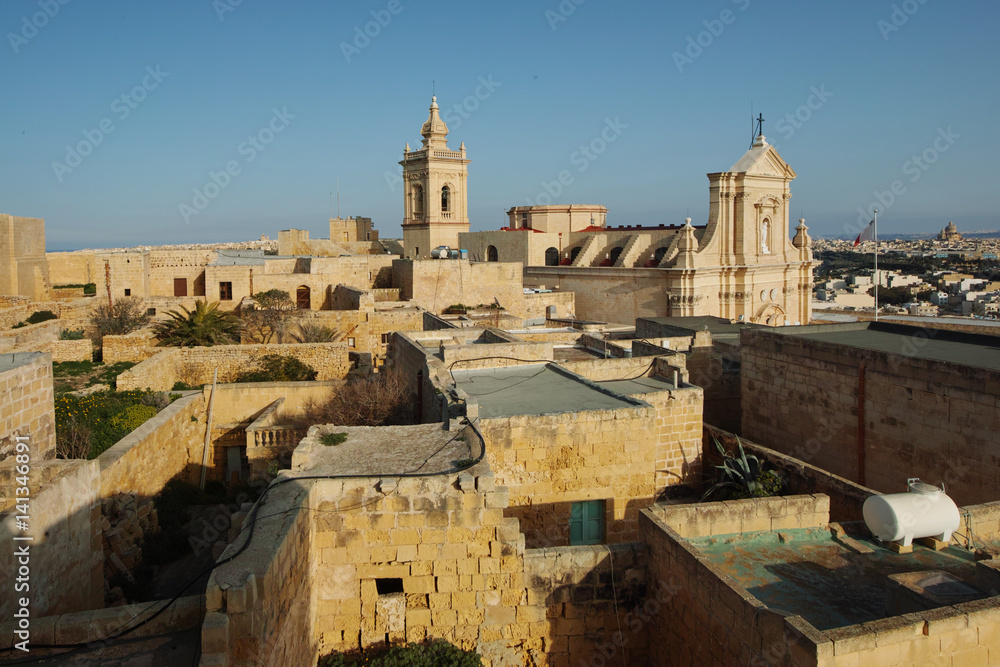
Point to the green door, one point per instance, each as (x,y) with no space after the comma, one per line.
(586,522)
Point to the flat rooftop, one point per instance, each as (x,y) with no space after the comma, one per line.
(536,389)
(807,572)
(384,451)
(10,361)
(640,385)
(977,351)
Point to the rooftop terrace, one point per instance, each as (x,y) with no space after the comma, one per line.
(536,389)
(807,572)
(933,344)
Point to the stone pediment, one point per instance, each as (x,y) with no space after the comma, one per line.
(762,160)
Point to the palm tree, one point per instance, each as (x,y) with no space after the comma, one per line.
(310,332)
(203,326)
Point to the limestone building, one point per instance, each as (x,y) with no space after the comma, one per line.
(742,265)
(23,268)
(435,207)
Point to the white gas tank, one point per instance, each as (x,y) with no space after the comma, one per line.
(924,511)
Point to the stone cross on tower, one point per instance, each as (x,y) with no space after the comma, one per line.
(760,124)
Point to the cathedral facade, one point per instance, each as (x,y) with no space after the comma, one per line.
(744,264)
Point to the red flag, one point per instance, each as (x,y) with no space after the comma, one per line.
(866,235)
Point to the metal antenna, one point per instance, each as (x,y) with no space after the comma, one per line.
(338,198)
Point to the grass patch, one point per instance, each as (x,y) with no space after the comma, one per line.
(74,375)
(105,417)
(333,439)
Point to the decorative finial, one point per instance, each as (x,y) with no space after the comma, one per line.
(687,222)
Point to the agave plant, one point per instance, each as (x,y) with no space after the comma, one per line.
(741,473)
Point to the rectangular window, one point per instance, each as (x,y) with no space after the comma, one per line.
(151,311)
(350,342)
(225,291)
(385,339)
(180,287)
(128,292)
(586,522)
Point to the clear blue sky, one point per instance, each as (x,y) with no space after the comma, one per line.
(560,81)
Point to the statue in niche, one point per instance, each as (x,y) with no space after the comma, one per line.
(765,234)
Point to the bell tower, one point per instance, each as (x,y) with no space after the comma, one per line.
(435,205)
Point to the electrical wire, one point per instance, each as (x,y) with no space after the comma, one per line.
(252,522)
(614,594)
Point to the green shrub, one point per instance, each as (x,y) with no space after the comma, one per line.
(133,417)
(90,288)
(277,368)
(71,334)
(106,414)
(182,386)
(333,439)
(432,654)
(41,316)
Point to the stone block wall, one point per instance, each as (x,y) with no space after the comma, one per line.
(31,337)
(196,365)
(593,599)
(618,295)
(495,354)
(746,516)
(370,328)
(65,555)
(919,418)
(166,447)
(416,559)
(134,347)
(962,634)
(70,350)
(536,305)
(548,462)
(437,284)
(27,406)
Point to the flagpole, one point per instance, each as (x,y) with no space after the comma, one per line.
(875,229)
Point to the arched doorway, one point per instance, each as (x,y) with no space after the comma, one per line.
(445,199)
(491,254)
(552,257)
(616,252)
(574,253)
(302,298)
(659,254)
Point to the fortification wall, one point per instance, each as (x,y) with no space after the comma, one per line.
(437,284)
(606,294)
(65,553)
(920,418)
(27,406)
(196,365)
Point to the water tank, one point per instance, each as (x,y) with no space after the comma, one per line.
(440,252)
(924,511)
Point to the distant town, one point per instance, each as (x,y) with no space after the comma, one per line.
(948,275)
